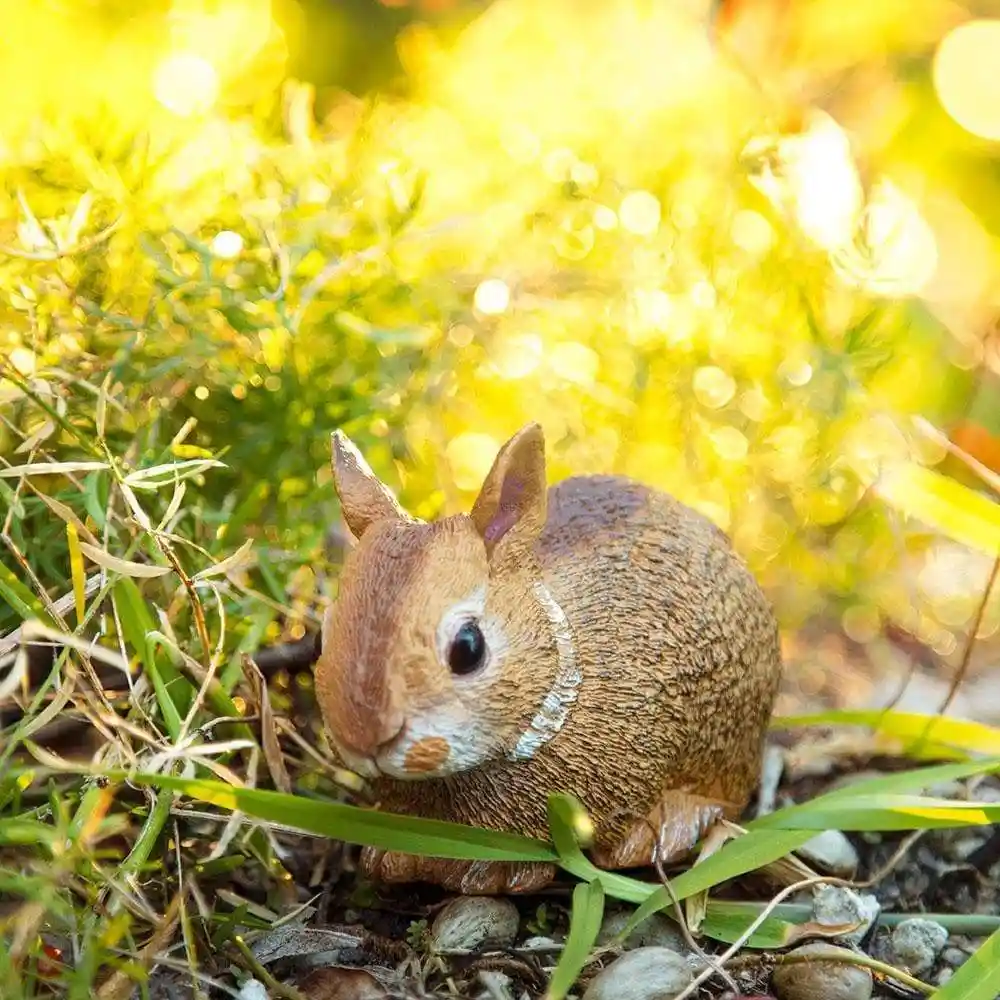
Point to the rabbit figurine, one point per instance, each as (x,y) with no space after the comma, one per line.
(597,637)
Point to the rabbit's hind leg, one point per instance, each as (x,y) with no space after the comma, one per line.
(674,826)
(470,878)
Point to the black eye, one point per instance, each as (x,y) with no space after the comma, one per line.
(467,649)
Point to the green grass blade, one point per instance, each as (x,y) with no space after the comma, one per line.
(915,780)
(737,857)
(956,510)
(22,830)
(978,978)
(431,838)
(879,812)
(568,826)
(174,692)
(584,926)
(23,600)
(958,734)
(728,922)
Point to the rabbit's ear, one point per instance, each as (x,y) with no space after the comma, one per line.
(512,498)
(364,499)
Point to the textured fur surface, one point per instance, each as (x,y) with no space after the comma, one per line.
(675,647)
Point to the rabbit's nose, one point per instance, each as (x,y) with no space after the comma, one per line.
(366,738)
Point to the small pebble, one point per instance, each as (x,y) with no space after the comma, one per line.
(954,956)
(831,852)
(916,944)
(833,905)
(253,989)
(658,932)
(470,922)
(643,974)
(542,944)
(496,985)
(818,980)
(947,790)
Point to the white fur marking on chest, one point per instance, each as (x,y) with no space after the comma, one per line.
(554,710)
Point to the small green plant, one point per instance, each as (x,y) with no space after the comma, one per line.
(418,936)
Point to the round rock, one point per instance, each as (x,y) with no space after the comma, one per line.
(818,980)
(831,852)
(833,906)
(658,932)
(916,944)
(471,922)
(642,974)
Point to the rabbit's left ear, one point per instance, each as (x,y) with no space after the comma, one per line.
(364,499)
(512,498)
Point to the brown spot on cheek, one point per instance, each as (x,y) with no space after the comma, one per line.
(427,755)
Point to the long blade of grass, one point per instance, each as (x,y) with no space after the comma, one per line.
(164,475)
(50,469)
(77,572)
(569,826)
(725,922)
(960,734)
(24,602)
(735,858)
(174,692)
(584,925)
(879,812)
(954,509)
(355,825)
(124,566)
(914,780)
(978,978)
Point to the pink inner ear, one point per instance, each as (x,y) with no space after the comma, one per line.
(508,509)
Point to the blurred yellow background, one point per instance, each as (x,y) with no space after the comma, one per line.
(731,249)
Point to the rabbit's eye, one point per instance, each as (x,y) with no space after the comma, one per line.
(467,649)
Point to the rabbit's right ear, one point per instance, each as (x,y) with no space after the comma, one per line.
(512,499)
(364,499)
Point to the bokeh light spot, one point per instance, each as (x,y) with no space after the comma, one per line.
(729,443)
(227,244)
(186,84)
(752,232)
(575,362)
(965,76)
(23,359)
(605,218)
(492,297)
(640,213)
(713,387)
(517,357)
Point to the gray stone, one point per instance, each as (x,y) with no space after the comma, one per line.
(496,985)
(833,905)
(916,944)
(954,956)
(542,944)
(643,974)
(819,980)
(471,922)
(831,852)
(657,932)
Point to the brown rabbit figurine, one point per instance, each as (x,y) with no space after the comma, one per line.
(597,637)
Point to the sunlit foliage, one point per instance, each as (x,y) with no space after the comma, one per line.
(731,258)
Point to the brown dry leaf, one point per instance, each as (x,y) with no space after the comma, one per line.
(268,728)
